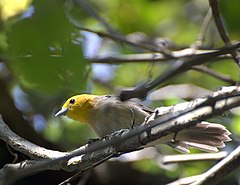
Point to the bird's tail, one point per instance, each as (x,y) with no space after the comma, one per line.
(203,136)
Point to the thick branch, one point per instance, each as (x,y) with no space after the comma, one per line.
(24,146)
(163,122)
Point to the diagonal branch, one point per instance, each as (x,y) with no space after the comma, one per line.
(223,33)
(215,74)
(220,170)
(123,39)
(217,18)
(203,30)
(91,11)
(179,67)
(164,121)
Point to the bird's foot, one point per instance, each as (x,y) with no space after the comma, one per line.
(119,132)
(92,140)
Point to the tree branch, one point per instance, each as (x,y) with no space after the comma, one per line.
(123,39)
(220,170)
(91,11)
(154,57)
(215,74)
(164,121)
(169,159)
(223,33)
(203,30)
(24,146)
(180,66)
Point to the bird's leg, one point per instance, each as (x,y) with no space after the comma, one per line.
(12,153)
(133,119)
(119,132)
(92,140)
(174,137)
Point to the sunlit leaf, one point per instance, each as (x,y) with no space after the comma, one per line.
(9,8)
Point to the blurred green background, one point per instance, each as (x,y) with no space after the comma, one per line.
(45,58)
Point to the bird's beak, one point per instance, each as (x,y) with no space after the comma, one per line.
(62,112)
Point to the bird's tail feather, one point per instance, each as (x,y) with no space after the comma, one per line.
(203,136)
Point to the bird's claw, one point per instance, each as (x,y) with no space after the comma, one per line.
(92,140)
(115,134)
(119,132)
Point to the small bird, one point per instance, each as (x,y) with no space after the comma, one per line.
(107,114)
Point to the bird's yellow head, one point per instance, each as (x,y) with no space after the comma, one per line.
(78,107)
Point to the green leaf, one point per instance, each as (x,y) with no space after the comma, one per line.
(42,53)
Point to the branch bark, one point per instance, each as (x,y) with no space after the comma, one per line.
(155,57)
(163,122)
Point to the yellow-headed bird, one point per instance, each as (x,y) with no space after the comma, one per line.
(106,114)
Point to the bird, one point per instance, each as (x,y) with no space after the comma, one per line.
(106,114)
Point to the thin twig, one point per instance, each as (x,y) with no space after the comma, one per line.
(154,57)
(179,67)
(185,180)
(203,30)
(84,179)
(91,11)
(220,170)
(12,153)
(223,33)
(112,33)
(77,175)
(217,18)
(215,74)
(169,159)
(123,39)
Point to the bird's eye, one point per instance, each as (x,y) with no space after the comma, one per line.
(72,101)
